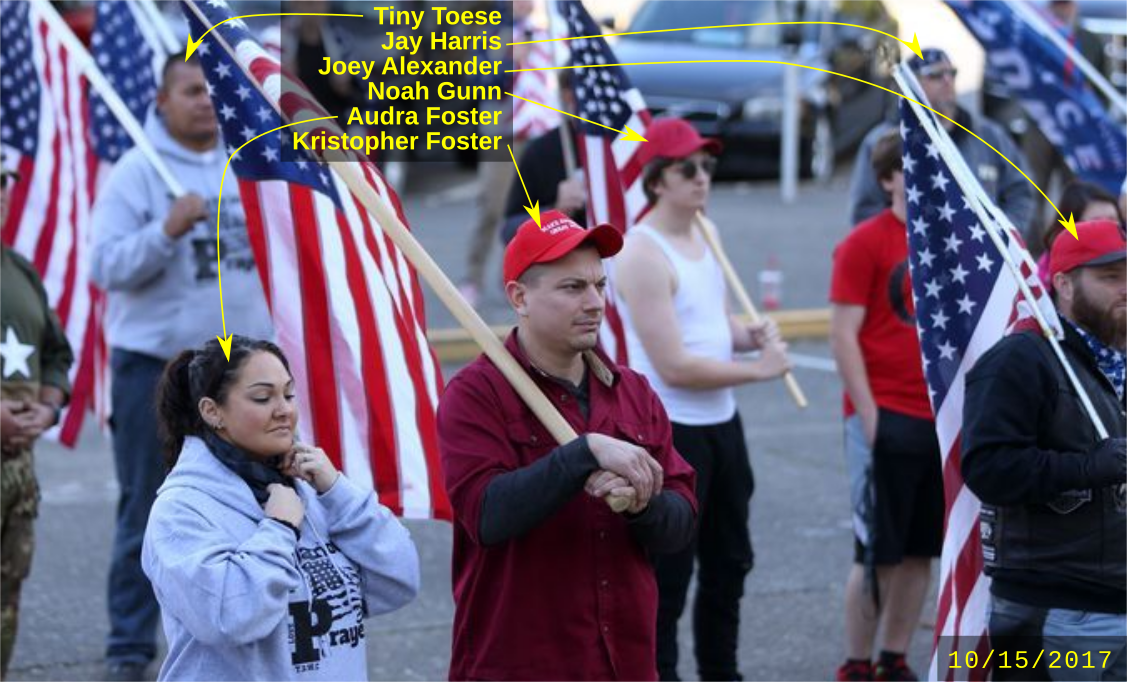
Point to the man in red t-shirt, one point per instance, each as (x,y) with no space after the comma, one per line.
(891,449)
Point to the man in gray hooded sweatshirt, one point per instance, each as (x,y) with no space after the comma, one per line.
(155,255)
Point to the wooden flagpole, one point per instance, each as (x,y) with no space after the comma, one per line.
(708,231)
(429,270)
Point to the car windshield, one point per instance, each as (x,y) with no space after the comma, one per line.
(657,15)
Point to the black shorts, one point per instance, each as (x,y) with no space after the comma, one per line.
(897,489)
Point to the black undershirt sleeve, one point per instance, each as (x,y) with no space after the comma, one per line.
(665,525)
(517,501)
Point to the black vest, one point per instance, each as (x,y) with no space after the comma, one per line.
(1078,541)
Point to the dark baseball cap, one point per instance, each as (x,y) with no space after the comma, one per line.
(559,236)
(933,58)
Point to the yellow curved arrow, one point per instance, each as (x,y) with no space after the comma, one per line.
(193,44)
(225,340)
(914,46)
(630,135)
(1069,223)
(534,209)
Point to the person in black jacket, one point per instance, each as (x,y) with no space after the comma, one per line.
(1053,530)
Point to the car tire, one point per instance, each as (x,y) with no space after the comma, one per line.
(819,152)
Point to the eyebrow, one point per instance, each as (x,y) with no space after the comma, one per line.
(267,384)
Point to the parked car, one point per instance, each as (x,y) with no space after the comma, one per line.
(742,103)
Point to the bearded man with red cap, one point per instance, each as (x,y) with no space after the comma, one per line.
(549,583)
(682,336)
(1053,524)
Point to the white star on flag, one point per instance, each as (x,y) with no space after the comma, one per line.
(15,354)
(939,182)
(959,274)
(926,258)
(952,243)
(984,262)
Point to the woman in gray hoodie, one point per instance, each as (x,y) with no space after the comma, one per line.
(264,558)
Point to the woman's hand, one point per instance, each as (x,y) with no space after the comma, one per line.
(312,465)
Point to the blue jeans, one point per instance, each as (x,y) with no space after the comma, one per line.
(133,609)
(1097,642)
(1087,634)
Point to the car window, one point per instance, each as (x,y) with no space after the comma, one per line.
(665,14)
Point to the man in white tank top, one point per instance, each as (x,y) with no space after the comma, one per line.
(682,337)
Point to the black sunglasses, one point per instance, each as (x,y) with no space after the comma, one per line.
(688,167)
(941,73)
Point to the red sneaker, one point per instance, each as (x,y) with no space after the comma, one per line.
(897,670)
(851,671)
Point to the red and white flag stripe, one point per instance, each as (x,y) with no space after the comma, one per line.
(49,219)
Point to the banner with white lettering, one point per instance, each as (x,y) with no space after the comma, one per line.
(1054,93)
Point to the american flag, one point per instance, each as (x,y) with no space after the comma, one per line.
(346,306)
(46,134)
(611,164)
(966,299)
(529,120)
(126,48)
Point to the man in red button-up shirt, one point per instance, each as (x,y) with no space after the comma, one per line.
(549,583)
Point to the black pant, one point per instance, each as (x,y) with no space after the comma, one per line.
(722,545)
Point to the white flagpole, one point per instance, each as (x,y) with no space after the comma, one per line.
(956,161)
(1038,23)
(560,51)
(974,193)
(98,81)
(159,23)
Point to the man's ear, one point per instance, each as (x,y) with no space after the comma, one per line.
(517,294)
(1063,286)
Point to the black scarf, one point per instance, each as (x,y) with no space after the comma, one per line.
(255,473)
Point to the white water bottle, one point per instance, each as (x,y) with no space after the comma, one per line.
(771,285)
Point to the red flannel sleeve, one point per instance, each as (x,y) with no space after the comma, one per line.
(473,447)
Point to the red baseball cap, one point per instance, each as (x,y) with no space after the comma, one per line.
(674,138)
(1099,242)
(559,236)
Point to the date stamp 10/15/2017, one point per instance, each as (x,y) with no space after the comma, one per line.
(1021,660)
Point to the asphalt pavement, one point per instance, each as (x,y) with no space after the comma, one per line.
(792,611)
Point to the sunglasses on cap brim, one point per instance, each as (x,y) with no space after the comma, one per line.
(936,74)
